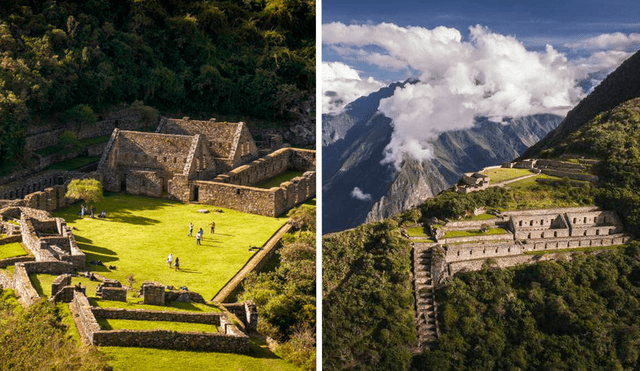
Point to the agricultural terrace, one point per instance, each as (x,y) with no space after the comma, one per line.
(140,232)
(500,175)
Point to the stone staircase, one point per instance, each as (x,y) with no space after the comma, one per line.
(426,307)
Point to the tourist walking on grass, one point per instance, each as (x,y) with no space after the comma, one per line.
(177,264)
(190,230)
(213,227)
(199,236)
(170,259)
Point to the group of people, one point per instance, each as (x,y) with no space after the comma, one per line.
(85,211)
(200,232)
(176,263)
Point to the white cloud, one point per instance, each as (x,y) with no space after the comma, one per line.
(488,75)
(358,194)
(608,41)
(342,84)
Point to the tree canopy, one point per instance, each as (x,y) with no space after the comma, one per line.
(89,190)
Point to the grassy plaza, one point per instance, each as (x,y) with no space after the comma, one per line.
(140,232)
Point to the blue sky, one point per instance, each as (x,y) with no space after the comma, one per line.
(534,23)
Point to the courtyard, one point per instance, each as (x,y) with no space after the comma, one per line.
(140,232)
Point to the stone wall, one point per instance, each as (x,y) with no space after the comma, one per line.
(47,135)
(25,292)
(65,294)
(13,261)
(153,293)
(153,315)
(114,293)
(83,317)
(493,237)
(155,151)
(60,282)
(463,252)
(570,175)
(11,238)
(165,339)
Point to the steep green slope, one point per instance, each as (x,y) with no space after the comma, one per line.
(253,58)
(621,85)
(367,299)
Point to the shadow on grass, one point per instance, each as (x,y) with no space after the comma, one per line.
(37,284)
(189,271)
(259,348)
(97,250)
(118,207)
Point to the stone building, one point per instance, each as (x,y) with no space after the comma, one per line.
(207,162)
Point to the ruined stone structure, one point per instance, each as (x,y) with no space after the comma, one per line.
(228,338)
(562,169)
(208,162)
(472,182)
(526,232)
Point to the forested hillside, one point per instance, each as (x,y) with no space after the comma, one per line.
(60,60)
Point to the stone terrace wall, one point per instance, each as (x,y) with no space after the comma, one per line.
(23,287)
(83,317)
(570,175)
(164,339)
(269,202)
(47,135)
(269,166)
(493,237)
(156,315)
(245,199)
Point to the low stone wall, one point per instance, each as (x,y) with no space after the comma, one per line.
(246,312)
(164,339)
(25,292)
(464,252)
(156,315)
(493,237)
(13,261)
(10,239)
(114,293)
(83,317)
(245,199)
(504,262)
(65,294)
(570,175)
(51,267)
(60,282)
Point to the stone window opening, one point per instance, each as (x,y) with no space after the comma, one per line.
(541,221)
(458,252)
(585,219)
(470,252)
(521,223)
(574,220)
(529,235)
(496,250)
(597,232)
(531,223)
(555,234)
(585,233)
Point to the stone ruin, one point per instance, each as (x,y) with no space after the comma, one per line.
(207,162)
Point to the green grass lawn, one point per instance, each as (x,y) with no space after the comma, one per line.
(279,179)
(11,269)
(469,233)
(146,359)
(11,250)
(502,174)
(530,194)
(126,324)
(140,232)
(136,303)
(416,232)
